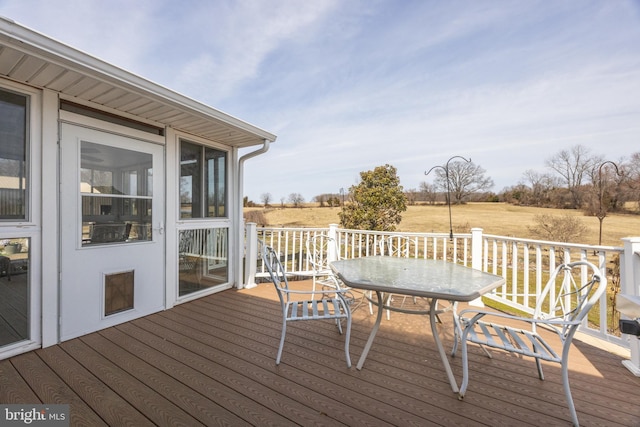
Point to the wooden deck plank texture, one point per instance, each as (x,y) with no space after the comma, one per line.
(212,362)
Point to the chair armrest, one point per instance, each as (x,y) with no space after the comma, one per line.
(317,291)
(478,314)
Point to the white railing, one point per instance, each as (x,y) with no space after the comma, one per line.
(290,243)
(359,243)
(209,244)
(524,263)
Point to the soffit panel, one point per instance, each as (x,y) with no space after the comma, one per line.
(42,69)
(45,74)
(9,58)
(26,68)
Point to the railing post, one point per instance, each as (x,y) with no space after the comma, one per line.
(630,285)
(251,255)
(332,249)
(476,248)
(476,258)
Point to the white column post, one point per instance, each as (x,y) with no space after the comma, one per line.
(332,249)
(251,255)
(476,248)
(630,285)
(476,258)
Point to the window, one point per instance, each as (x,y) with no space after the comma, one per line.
(203,182)
(203,260)
(13,149)
(15,267)
(116,188)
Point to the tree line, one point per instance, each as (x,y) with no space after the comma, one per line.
(574,178)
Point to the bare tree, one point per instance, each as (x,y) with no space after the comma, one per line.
(429,192)
(465,178)
(605,192)
(573,165)
(266,199)
(256,216)
(564,228)
(327,199)
(541,186)
(296,199)
(412,196)
(632,183)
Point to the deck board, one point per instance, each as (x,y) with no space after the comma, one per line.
(212,362)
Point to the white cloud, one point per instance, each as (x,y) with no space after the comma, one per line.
(237,37)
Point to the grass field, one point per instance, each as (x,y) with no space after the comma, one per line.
(494,218)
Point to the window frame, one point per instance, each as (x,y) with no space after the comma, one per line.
(203,185)
(28,158)
(30,225)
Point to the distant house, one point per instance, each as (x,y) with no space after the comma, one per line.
(118,197)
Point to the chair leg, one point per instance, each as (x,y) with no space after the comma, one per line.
(539,366)
(567,393)
(457,329)
(465,367)
(346,342)
(284,332)
(457,333)
(389,302)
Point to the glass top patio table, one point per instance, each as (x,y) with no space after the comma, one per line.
(416,277)
(432,279)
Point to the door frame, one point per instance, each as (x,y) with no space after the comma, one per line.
(77,121)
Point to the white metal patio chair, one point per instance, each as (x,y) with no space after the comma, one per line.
(329,303)
(564,303)
(320,248)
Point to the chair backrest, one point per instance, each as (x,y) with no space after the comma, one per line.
(398,246)
(110,232)
(570,293)
(320,250)
(272,262)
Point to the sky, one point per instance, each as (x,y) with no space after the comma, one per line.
(349,85)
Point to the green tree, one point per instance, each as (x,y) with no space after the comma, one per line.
(376,202)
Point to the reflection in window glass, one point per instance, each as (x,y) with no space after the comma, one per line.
(13,165)
(116,204)
(203,185)
(202,259)
(14,290)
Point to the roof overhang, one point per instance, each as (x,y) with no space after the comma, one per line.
(31,58)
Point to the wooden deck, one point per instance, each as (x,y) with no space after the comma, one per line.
(211,362)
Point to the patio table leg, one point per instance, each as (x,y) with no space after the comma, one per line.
(443,354)
(372,335)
